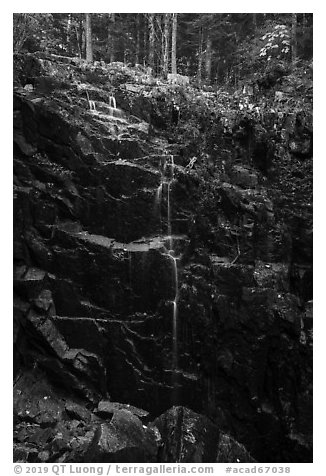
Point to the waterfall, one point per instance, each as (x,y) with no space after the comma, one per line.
(158,196)
(169,215)
(92,106)
(165,186)
(112,102)
(169,169)
(112,109)
(91,103)
(175,315)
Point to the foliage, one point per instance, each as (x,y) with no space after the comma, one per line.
(276,43)
(242,44)
(29,27)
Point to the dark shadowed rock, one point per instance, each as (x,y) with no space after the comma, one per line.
(230,451)
(35,401)
(187,437)
(77,411)
(106,409)
(123,440)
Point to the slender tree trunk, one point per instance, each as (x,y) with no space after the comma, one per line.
(166,43)
(111,48)
(254,21)
(294,38)
(208,58)
(82,45)
(83,41)
(79,36)
(88,34)
(200,57)
(68,33)
(174,43)
(161,23)
(145,44)
(78,42)
(137,55)
(151,30)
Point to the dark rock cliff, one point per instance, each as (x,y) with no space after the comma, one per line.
(94,285)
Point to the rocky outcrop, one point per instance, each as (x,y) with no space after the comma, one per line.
(187,437)
(124,439)
(95,197)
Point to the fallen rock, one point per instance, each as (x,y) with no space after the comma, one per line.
(230,451)
(77,411)
(106,409)
(123,440)
(34,401)
(187,437)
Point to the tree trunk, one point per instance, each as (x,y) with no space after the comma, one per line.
(200,57)
(111,48)
(88,34)
(137,55)
(68,33)
(166,43)
(174,43)
(145,44)
(208,58)
(160,20)
(294,38)
(151,30)
(79,36)
(254,21)
(82,43)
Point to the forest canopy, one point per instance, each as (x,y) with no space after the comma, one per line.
(211,48)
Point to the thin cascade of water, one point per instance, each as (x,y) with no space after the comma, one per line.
(112,102)
(91,103)
(169,174)
(175,340)
(167,177)
(158,196)
(175,313)
(169,215)
(130,267)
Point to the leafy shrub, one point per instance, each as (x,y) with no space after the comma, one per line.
(276,43)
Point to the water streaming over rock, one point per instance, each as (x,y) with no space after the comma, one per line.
(112,102)
(167,178)
(92,105)
(112,109)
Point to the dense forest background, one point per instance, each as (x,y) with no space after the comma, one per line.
(212,48)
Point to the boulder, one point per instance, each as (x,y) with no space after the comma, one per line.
(123,440)
(187,437)
(35,401)
(230,451)
(77,411)
(106,409)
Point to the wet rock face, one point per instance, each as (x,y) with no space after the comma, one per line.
(95,197)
